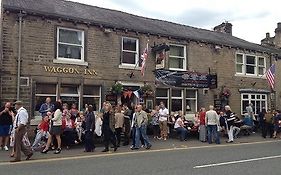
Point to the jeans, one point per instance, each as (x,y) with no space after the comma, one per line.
(213,132)
(236,131)
(38,138)
(141,131)
(182,132)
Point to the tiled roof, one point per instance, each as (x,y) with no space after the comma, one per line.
(118,19)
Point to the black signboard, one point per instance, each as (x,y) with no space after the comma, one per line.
(185,79)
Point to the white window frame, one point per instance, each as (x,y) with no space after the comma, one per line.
(94,96)
(177,98)
(136,53)
(259,66)
(252,65)
(71,60)
(250,100)
(164,98)
(178,57)
(244,66)
(196,99)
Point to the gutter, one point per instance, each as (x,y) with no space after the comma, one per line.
(20,18)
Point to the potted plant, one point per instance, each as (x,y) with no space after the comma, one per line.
(146,90)
(117,88)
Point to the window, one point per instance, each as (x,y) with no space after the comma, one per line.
(259,101)
(130,51)
(191,101)
(42,91)
(239,63)
(70,44)
(177,57)
(250,65)
(162,95)
(70,94)
(177,100)
(92,96)
(261,66)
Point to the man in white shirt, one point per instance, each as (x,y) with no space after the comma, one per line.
(163,120)
(20,123)
(212,122)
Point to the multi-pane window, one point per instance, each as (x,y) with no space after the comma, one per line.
(191,101)
(261,65)
(70,44)
(41,93)
(177,100)
(259,101)
(250,65)
(92,96)
(162,95)
(177,57)
(130,51)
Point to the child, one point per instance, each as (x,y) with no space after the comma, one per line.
(78,123)
(43,131)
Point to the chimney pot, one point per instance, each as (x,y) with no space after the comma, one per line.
(279,25)
(267,35)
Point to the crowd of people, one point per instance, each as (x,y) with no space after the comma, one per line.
(64,126)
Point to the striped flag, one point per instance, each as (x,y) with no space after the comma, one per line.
(270,75)
(144,56)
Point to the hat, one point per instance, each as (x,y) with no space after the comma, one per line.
(18,102)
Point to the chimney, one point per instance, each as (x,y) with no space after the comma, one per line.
(277,38)
(224,27)
(267,35)
(267,41)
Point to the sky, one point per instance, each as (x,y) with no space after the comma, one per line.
(251,19)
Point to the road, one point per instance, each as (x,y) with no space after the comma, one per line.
(256,158)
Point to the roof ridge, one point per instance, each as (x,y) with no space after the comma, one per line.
(139,16)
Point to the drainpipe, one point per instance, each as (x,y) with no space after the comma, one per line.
(20,15)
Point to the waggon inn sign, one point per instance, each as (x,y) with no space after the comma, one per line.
(69,70)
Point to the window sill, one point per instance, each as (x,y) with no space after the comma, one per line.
(80,63)
(175,69)
(250,76)
(129,67)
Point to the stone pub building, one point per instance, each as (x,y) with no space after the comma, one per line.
(85,54)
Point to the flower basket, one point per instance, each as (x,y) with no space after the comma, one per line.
(146,90)
(117,88)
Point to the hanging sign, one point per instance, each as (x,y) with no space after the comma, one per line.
(185,79)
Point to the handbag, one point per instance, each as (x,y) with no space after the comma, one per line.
(219,128)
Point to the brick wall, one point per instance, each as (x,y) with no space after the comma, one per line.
(102,52)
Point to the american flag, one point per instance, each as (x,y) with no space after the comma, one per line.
(270,75)
(144,56)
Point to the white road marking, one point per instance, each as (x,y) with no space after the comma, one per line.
(237,161)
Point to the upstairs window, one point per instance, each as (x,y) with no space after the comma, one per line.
(177,57)
(130,52)
(70,44)
(250,65)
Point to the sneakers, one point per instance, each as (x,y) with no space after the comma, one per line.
(6,148)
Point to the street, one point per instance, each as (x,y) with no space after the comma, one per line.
(259,157)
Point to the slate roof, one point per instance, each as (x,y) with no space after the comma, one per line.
(121,20)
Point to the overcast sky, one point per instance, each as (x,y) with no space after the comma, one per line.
(251,19)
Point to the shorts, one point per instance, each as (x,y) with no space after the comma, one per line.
(55,130)
(5,130)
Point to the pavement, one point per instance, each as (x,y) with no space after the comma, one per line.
(247,155)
